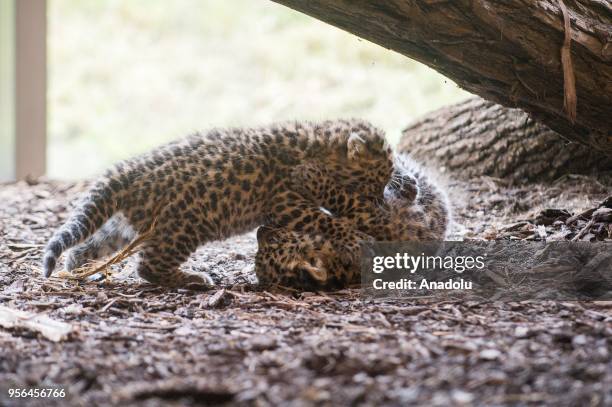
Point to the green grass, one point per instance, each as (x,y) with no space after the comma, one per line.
(128,75)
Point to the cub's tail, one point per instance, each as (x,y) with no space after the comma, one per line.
(100,203)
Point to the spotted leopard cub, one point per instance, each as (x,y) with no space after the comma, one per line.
(412,208)
(214,185)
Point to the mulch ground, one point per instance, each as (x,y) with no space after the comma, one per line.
(136,344)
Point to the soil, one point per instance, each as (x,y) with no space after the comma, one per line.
(137,344)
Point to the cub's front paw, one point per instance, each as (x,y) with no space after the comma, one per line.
(200,281)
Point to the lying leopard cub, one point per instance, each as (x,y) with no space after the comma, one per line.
(413,208)
(214,185)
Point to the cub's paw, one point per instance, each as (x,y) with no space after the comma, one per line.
(78,257)
(348,251)
(199,281)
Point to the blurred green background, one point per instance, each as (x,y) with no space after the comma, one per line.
(125,76)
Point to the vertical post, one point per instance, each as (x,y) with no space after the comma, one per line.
(23,88)
(7,90)
(30,88)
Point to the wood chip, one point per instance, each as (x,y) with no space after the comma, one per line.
(216,298)
(49,328)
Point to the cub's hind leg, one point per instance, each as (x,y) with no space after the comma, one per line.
(160,257)
(115,234)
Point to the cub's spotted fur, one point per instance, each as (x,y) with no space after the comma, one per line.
(214,185)
(413,208)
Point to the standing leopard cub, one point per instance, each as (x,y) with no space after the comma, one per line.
(214,185)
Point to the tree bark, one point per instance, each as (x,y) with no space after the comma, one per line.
(507,51)
(477,137)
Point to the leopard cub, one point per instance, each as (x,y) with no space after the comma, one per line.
(217,184)
(411,208)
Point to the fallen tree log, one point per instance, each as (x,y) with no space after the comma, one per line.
(477,137)
(506,51)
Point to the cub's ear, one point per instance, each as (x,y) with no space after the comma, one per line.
(265,234)
(368,148)
(356,147)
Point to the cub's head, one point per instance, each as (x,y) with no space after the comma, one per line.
(356,152)
(369,163)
